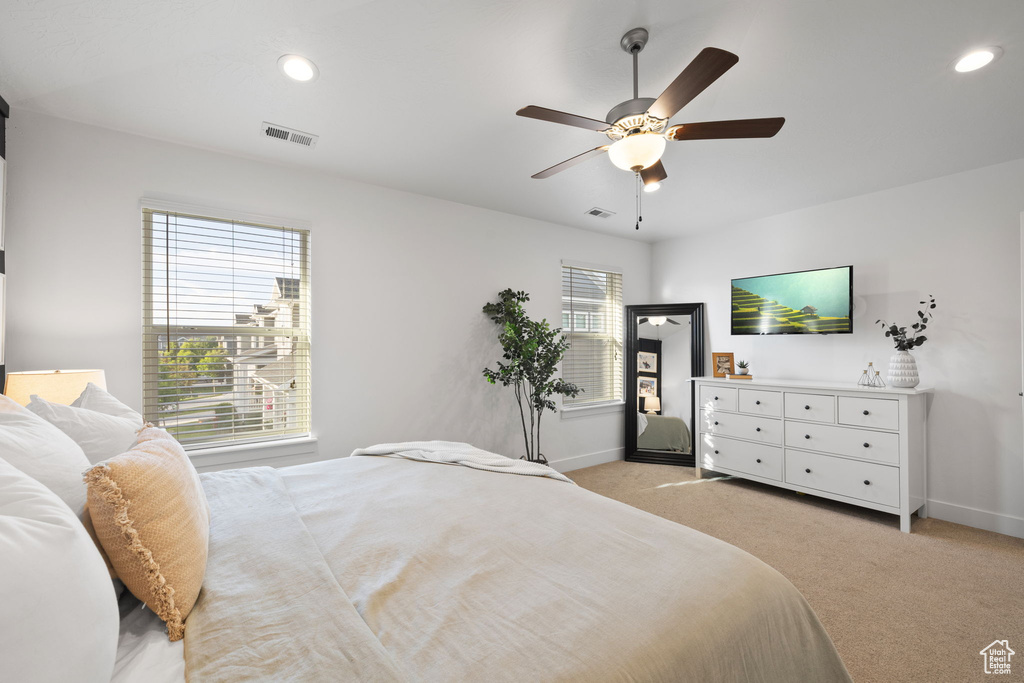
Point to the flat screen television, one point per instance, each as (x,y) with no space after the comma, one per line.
(806,302)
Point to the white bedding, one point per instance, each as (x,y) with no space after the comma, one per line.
(144,654)
(398,570)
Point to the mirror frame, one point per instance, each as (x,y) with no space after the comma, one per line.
(633,315)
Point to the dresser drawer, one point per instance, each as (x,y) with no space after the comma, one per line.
(717,398)
(814,407)
(856,443)
(767,403)
(718,452)
(862,480)
(880,413)
(764,429)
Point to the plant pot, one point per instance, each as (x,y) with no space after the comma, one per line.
(903,371)
(742,371)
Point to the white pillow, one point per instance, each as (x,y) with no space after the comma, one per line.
(99,400)
(43,452)
(59,620)
(100,436)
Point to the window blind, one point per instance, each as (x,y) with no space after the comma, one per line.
(226,329)
(592,319)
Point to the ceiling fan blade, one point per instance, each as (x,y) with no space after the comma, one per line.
(641,321)
(674,322)
(704,70)
(718,130)
(569,162)
(542,114)
(654,173)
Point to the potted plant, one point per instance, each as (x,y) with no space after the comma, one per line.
(902,366)
(742,368)
(531,352)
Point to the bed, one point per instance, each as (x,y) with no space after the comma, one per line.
(662,433)
(426,561)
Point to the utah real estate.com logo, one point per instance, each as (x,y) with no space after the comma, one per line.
(997,657)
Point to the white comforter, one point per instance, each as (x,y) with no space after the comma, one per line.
(389,569)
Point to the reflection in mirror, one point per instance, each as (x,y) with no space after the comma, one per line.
(663,351)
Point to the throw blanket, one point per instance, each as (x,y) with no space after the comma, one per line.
(385,569)
(455,453)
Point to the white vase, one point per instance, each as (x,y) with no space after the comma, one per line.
(903,371)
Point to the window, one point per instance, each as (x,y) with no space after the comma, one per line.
(592,302)
(225,328)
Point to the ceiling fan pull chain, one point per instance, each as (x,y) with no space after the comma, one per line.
(639,199)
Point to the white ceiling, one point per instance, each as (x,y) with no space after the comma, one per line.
(422,96)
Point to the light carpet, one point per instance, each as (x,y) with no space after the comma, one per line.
(899,607)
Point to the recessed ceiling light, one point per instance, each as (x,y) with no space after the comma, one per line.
(298,68)
(975,59)
(653,187)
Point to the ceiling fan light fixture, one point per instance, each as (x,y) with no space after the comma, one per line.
(638,151)
(298,68)
(652,187)
(975,59)
(657,320)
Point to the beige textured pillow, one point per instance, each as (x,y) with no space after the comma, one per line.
(150,515)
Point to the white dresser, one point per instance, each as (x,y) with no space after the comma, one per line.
(855,444)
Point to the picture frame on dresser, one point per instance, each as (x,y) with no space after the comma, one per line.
(722,363)
(859,445)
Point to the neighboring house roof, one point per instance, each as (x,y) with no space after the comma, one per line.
(266,353)
(260,309)
(244,319)
(279,374)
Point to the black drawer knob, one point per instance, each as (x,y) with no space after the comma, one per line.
(716,452)
(716,421)
(807,436)
(757,403)
(759,460)
(758,429)
(808,470)
(807,407)
(867,412)
(716,398)
(867,483)
(867,445)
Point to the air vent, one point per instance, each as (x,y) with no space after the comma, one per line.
(296,137)
(599,213)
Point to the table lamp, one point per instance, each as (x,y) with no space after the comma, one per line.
(652,404)
(56,386)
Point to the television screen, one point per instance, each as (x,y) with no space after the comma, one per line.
(807,302)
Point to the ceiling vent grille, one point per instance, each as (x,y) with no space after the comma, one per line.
(599,213)
(296,137)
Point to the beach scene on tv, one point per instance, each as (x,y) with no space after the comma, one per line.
(810,302)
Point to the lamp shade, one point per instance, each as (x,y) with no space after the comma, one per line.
(56,386)
(637,151)
(652,404)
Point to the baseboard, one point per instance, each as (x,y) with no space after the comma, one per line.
(979,519)
(578,462)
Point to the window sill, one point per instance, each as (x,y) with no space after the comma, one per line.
(251,454)
(589,411)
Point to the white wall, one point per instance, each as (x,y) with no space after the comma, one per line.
(956,237)
(399,340)
(675,371)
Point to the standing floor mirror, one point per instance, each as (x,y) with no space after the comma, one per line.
(664,349)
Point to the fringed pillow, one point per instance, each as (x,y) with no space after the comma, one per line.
(150,515)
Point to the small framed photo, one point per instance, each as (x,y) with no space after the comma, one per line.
(646,386)
(646,362)
(722,363)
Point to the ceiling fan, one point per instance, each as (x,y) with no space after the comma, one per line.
(639,127)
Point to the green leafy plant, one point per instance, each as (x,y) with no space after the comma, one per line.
(743,364)
(905,341)
(531,352)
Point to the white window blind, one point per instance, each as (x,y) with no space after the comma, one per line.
(592,318)
(225,329)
